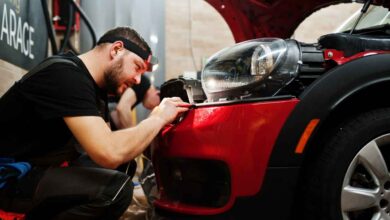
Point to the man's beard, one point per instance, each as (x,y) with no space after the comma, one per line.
(112,77)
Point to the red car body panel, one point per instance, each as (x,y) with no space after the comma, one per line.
(11,216)
(188,209)
(264,18)
(246,136)
(339,57)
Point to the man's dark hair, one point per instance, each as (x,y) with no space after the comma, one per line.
(128,33)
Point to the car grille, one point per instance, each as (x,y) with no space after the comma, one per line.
(195,181)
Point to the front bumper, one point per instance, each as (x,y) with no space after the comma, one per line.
(216,154)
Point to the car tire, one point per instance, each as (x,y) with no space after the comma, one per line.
(350,180)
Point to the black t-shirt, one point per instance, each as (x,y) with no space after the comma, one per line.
(32,111)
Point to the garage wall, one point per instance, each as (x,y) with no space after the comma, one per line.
(194,31)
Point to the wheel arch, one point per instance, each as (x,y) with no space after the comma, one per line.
(343,91)
(363,100)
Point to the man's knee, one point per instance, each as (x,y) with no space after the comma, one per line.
(119,190)
(93,192)
(122,198)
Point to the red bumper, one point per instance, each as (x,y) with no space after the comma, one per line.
(240,135)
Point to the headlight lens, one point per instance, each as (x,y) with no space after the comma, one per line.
(238,70)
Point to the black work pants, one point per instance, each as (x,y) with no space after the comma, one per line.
(69,193)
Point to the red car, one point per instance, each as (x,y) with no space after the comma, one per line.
(281,129)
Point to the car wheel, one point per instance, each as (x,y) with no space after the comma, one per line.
(350,179)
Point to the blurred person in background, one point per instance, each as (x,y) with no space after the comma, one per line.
(122,106)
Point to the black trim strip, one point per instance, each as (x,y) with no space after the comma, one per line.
(249,100)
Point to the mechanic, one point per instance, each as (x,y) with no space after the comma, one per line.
(41,113)
(120,110)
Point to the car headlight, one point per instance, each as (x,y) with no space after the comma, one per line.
(262,65)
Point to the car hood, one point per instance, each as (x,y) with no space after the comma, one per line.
(250,19)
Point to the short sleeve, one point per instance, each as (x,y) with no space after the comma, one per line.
(61,90)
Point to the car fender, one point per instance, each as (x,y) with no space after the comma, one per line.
(325,96)
(323,99)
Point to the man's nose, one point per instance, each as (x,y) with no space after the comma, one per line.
(137,79)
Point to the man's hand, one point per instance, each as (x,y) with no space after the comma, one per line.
(169,109)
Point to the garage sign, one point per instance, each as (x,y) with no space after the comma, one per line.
(23,34)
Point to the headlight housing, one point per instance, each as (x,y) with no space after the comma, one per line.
(261,66)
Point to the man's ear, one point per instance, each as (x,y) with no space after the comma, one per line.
(116,46)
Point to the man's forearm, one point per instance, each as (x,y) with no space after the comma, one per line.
(110,149)
(133,141)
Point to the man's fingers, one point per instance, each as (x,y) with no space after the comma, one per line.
(178,102)
(181,109)
(185,105)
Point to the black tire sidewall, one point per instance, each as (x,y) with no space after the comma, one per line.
(327,174)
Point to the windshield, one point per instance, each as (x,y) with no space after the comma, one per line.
(375,15)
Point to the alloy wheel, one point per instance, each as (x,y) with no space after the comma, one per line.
(365,191)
